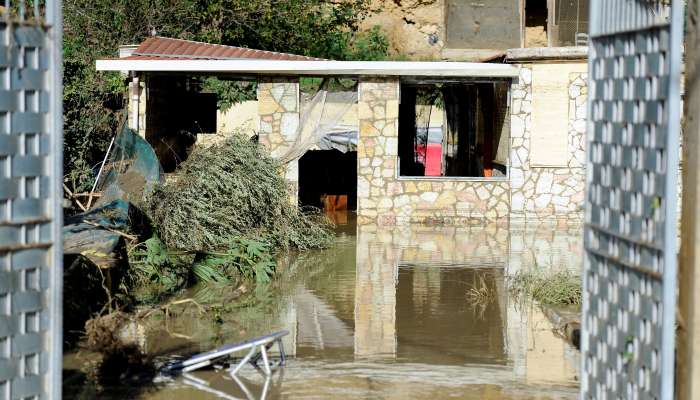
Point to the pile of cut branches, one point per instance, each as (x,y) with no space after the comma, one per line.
(232,190)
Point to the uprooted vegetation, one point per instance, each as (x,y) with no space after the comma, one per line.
(553,288)
(232,190)
(221,220)
(158,271)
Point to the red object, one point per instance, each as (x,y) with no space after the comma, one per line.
(432,160)
(158,48)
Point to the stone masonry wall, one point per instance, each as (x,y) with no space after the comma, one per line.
(386,198)
(527,194)
(553,194)
(279,111)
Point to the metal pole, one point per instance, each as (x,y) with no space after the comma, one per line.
(263,350)
(54,17)
(671,217)
(243,361)
(135,99)
(99,173)
(593,29)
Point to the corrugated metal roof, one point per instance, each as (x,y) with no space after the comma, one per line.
(159,48)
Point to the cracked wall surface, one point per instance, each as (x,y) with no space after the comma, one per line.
(415,28)
(446,29)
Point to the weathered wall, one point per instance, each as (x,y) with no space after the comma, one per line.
(492,24)
(242,118)
(530,192)
(279,111)
(384,197)
(415,28)
(548,192)
(447,29)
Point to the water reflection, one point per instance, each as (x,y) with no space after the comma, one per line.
(387,313)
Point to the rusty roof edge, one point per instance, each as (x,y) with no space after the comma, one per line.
(151,39)
(195,57)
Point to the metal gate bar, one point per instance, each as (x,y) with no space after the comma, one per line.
(632,177)
(30,201)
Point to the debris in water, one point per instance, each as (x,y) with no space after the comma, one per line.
(121,340)
(257,349)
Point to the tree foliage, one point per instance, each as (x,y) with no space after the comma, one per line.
(95,102)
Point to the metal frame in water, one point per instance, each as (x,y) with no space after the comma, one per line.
(257,350)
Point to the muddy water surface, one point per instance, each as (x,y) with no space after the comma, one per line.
(403,313)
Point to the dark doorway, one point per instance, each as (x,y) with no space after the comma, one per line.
(328,180)
(536,14)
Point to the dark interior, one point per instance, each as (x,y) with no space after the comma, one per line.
(177,112)
(536,13)
(327,172)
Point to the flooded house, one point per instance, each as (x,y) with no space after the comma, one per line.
(494,131)
(456,169)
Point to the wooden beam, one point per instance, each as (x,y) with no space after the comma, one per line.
(688,354)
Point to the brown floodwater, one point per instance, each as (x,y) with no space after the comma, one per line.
(416,312)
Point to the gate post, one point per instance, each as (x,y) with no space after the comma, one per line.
(629,278)
(31,181)
(688,382)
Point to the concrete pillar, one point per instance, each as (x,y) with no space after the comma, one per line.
(137,104)
(279,111)
(377,150)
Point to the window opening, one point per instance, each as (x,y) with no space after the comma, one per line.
(536,23)
(571,19)
(453,129)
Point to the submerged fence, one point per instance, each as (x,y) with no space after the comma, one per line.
(30,200)
(632,183)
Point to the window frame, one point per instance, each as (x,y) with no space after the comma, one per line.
(466,80)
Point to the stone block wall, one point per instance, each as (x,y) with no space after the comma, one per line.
(279,112)
(553,194)
(388,199)
(527,194)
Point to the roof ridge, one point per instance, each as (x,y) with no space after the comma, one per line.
(225,46)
